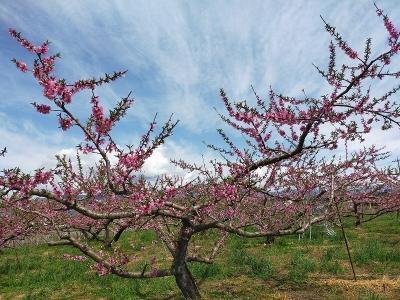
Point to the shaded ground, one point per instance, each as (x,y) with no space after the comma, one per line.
(247,269)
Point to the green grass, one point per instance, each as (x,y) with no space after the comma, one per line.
(246,268)
(330,263)
(375,251)
(300,267)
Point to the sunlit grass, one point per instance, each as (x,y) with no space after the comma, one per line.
(246,268)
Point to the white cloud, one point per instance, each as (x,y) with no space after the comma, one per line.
(25,152)
(178,55)
(160,162)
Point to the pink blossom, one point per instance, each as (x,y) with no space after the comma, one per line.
(12,32)
(74,257)
(65,123)
(100,269)
(42,108)
(50,89)
(22,66)
(132,161)
(42,177)
(350,52)
(25,43)
(394,34)
(66,95)
(170,192)
(103,125)
(225,191)
(48,65)
(42,49)
(87,149)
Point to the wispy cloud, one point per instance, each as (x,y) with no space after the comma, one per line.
(180,53)
(29,147)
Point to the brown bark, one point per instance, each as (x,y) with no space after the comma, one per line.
(357,214)
(184,279)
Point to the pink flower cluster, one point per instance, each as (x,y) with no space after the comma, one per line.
(100,269)
(22,66)
(225,191)
(52,89)
(283,116)
(151,206)
(65,123)
(42,70)
(42,49)
(342,44)
(27,183)
(42,177)
(28,45)
(132,161)
(394,34)
(171,192)
(350,52)
(42,108)
(103,125)
(24,43)
(97,110)
(79,258)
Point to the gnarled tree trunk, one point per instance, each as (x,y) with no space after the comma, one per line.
(184,279)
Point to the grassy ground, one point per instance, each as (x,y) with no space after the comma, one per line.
(247,269)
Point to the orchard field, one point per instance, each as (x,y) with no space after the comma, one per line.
(287,268)
(294,196)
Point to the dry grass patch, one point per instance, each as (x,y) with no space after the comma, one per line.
(384,287)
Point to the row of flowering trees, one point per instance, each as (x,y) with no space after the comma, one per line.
(280,183)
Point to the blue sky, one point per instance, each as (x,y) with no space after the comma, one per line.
(178,54)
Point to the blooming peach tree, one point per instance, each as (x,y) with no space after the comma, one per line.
(270,185)
(370,191)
